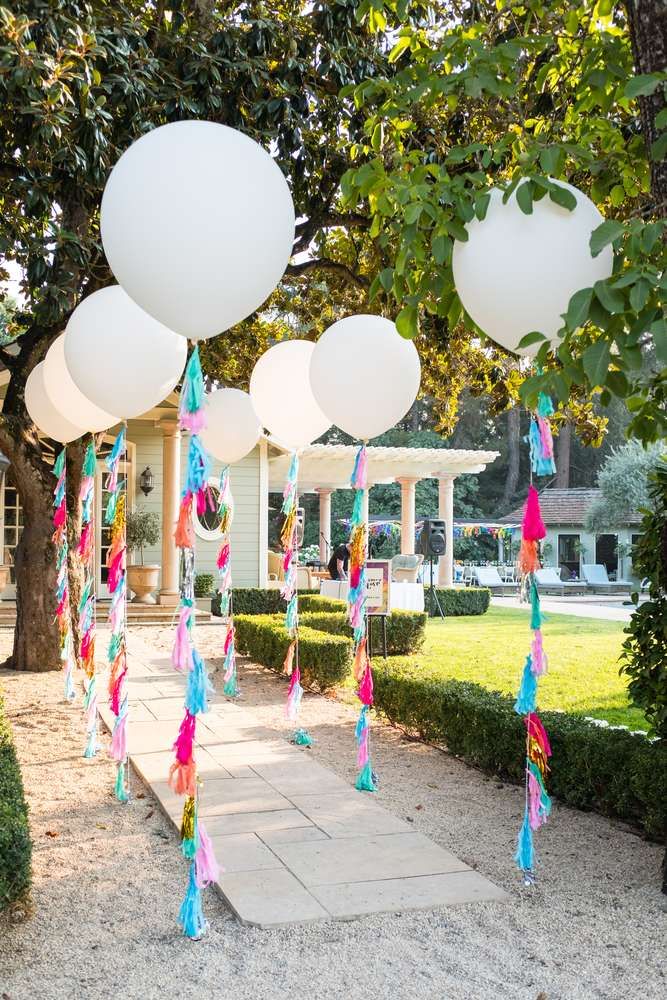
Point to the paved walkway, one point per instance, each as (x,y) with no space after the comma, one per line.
(605,609)
(297,842)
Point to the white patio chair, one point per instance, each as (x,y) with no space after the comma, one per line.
(488,576)
(548,578)
(595,575)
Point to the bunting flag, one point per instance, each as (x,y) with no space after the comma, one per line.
(195,844)
(116,561)
(224,563)
(537,802)
(356,597)
(86,609)
(59,539)
(289,540)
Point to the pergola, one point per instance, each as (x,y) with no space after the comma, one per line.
(324,468)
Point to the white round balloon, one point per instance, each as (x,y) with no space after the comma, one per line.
(197,224)
(67,397)
(47,417)
(232,428)
(282,397)
(364,375)
(121,358)
(517,273)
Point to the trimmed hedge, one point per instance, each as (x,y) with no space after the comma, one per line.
(311,601)
(253,601)
(405,629)
(15,844)
(593,767)
(456,601)
(324,660)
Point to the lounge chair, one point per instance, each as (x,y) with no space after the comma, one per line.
(548,579)
(595,575)
(405,568)
(488,576)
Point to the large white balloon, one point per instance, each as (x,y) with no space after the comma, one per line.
(233,427)
(365,376)
(197,224)
(282,397)
(43,413)
(121,358)
(67,397)
(517,273)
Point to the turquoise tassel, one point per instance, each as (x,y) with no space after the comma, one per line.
(302,738)
(362,723)
(90,461)
(189,847)
(526,698)
(91,745)
(70,693)
(120,789)
(524,847)
(90,691)
(365,781)
(291,614)
(191,915)
(110,512)
(199,466)
(59,464)
(192,393)
(118,446)
(231,688)
(199,686)
(545,407)
(535,613)
(357,508)
(541,466)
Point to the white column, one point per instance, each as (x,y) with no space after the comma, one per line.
(407,515)
(325,523)
(171,490)
(446,514)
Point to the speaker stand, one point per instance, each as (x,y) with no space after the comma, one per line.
(433,595)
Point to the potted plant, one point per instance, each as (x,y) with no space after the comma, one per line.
(143,529)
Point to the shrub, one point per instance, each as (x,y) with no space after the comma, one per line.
(456,601)
(405,629)
(324,659)
(15,845)
(203,584)
(315,602)
(254,601)
(142,529)
(612,771)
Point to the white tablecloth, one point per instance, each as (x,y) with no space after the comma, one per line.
(403,596)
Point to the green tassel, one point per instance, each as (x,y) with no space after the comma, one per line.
(535,614)
(59,464)
(231,688)
(193,384)
(85,594)
(365,781)
(90,461)
(120,789)
(302,738)
(115,643)
(189,847)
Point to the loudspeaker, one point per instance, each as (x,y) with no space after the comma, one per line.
(300,525)
(432,540)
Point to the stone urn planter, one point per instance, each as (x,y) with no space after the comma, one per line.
(143,580)
(4,577)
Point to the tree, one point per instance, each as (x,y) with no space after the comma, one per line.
(624,483)
(79,81)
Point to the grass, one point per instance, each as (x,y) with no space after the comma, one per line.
(491,650)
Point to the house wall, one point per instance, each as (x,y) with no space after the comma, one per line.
(245,483)
(587,539)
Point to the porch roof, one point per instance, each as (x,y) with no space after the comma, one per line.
(329,466)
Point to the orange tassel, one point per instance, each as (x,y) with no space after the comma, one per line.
(289,659)
(117,668)
(528,560)
(360,661)
(183,778)
(184,534)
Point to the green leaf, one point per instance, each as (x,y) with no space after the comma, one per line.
(412,213)
(524,197)
(605,7)
(399,48)
(596,362)
(561,196)
(642,85)
(551,159)
(604,235)
(659,334)
(639,294)
(661,119)
(577,310)
(659,148)
(440,247)
(531,338)
(617,195)
(378,137)
(612,300)
(407,322)
(482,205)
(387,278)
(618,384)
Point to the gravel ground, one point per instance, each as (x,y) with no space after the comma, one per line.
(108,881)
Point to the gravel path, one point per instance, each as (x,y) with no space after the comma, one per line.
(108,881)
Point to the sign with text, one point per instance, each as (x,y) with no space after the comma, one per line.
(378,591)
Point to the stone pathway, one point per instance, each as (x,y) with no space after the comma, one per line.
(296,841)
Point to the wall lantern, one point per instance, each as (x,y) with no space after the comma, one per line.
(146,481)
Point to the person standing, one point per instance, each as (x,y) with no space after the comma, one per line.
(339,562)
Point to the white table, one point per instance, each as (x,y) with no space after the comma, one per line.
(402,596)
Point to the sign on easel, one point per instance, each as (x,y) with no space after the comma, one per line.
(378,589)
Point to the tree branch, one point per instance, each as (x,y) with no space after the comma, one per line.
(325,264)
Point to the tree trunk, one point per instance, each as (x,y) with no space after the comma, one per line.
(513,456)
(563,451)
(647,20)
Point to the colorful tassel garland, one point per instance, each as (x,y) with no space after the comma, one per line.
(294,695)
(114,518)
(524,847)
(525,699)
(59,539)
(199,686)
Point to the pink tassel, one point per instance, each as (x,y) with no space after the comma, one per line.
(535,729)
(287,559)
(115,569)
(362,752)
(360,473)
(185,738)
(61,606)
(60,515)
(223,556)
(532,528)
(193,422)
(119,739)
(293,695)
(86,644)
(91,711)
(535,816)
(365,692)
(207,869)
(115,700)
(546,438)
(228,639)
(181,656)
(538,657)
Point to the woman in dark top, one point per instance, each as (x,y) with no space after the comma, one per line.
(339,561)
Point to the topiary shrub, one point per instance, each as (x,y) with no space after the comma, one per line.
(613,771)
(203,584)
(324,659)
(15,844)
(456,601)
(315,602)
(254,601)
(405,629)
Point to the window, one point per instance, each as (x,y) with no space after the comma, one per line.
(207,525)
(569,548)
(13,523)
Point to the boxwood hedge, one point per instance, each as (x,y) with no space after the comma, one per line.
(456,601)
(611,771)
(324,659)
(15,844)
(405,629)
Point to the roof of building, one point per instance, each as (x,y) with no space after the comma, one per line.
(566,507)
(329,466)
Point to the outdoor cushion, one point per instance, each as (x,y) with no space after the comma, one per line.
(595,574)
(488,576)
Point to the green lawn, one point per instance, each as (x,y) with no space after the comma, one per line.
(491,650)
